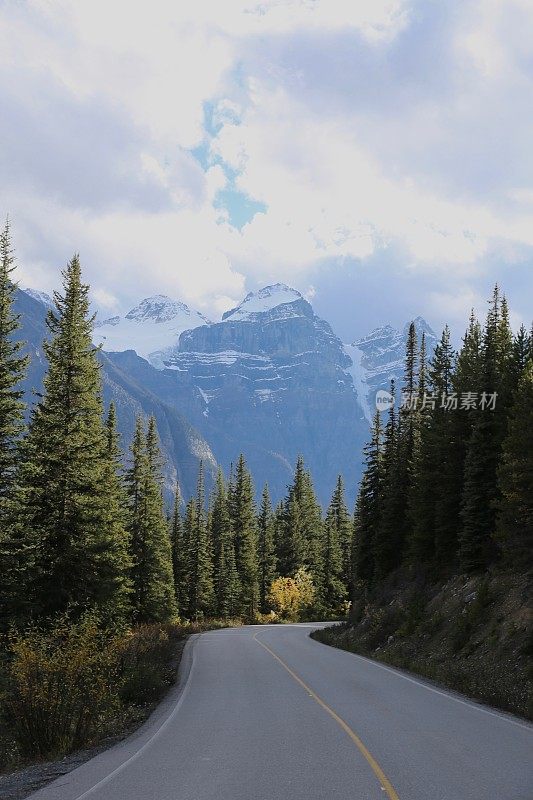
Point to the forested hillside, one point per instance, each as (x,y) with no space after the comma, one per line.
(443,528)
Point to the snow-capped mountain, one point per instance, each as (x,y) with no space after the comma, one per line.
(41,297)
(150,328)
(270,379)
(379,357)
(278,296)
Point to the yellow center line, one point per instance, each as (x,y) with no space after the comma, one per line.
(386,785)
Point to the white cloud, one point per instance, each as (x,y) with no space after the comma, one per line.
(365,128)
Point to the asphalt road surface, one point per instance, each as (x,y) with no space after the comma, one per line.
(264,713)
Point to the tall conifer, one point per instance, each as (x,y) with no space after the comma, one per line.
(201,592)
(481,491)
(67,483)
(514,530)
(340,519)
(12,369)
(243,522)
(266,556)
(371,548)
(153,584)
(226,579)
(179,553)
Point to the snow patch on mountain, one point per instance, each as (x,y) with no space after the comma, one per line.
(265,299)
(359,378)
(379,358)
(41,297)
(152,328)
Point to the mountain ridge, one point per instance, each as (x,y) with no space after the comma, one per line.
(270,378)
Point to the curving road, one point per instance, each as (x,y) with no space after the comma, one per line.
(264,713)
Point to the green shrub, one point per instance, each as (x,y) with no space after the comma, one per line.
(145,656)
(61,686)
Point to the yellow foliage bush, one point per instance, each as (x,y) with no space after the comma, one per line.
(291,596)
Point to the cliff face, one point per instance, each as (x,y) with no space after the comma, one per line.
(270,379)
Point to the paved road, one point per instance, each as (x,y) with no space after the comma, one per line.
(265,713)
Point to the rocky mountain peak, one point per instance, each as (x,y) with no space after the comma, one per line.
(41,297)
(265,300)
(151,328)
(421,327)
(161,308)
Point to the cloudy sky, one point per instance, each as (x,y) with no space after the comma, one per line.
(375,154)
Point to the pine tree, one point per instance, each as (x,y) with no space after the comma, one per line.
(243,523)
(12,369)
(66,480)
(521,353)
(266,555)
(226,579)
(480,492)
(395,522)
(343,526)
(153,584)
(371,551)
(189,534)
(335,584)
(300,534)
(290,541)
(201,592)
(432,449)
(458,425)
(116,509)
(179,547)
(311,514)
(515,519)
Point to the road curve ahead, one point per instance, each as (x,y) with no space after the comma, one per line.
(265,713)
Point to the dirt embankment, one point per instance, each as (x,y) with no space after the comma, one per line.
(472,634)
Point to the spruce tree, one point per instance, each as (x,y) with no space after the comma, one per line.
(521,353)
(340,519)
(68,484)
(226,579)
(12,369)
(201,592)
(117,511)
(465,383)
(179,547)
(371,550)
(300,534)
(480,492)
(266,556)
(394,526)
(243,523)
(290,541)
(514,530)
(334,583)
(432,449)
(153,584)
